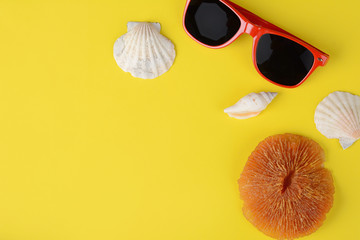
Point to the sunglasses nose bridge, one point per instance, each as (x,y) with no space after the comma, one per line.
(251,29)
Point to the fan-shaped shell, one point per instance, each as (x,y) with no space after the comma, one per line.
(251,105)
(338,116)
(143,51)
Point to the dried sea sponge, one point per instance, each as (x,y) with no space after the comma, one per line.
(285,187)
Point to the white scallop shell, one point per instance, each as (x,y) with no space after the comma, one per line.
(251,105)
(338,116)
(143,51)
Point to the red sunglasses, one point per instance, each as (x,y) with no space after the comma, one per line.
(278,56)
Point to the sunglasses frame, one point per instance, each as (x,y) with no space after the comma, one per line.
(257,27)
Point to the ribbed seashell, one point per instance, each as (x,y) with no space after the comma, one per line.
(143,51)
(251,105)
(338,116)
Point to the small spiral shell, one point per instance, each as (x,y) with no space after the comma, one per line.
(251,105)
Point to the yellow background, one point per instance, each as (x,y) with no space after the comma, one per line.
(89,152)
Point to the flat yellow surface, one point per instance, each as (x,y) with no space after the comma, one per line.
(87,152)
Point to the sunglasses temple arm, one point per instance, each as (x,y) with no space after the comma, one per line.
(256,20)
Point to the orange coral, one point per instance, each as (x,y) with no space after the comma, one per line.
(286,190)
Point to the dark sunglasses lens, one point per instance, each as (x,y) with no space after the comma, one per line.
(211,22)
(282,60)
